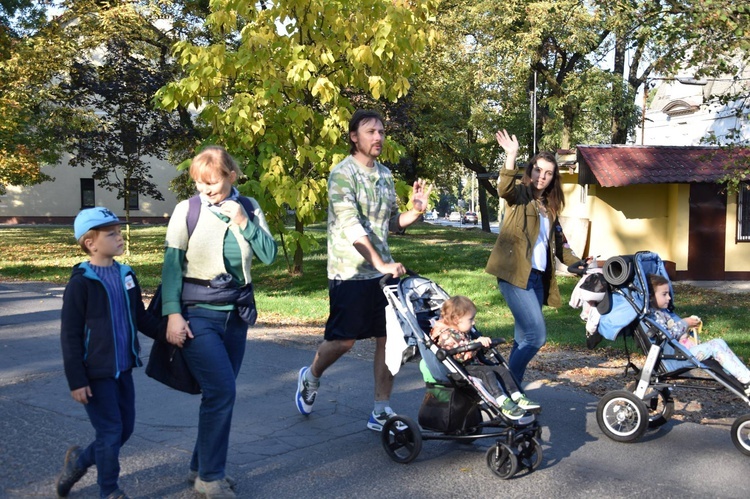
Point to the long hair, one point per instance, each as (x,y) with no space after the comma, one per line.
(456,307)
(358,117)
(552,197)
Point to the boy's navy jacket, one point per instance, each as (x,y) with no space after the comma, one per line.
(87,334)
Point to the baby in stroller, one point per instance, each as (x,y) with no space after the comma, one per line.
(678,329)
(453,329)
(456,405)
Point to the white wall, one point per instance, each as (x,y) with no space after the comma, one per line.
(702,116)
(61,197)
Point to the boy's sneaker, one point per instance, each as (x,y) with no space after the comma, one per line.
(192,475)
(377,421)
(526,404)
(306,393)
(217,489)
(70,472)
(511,410)
(118,494)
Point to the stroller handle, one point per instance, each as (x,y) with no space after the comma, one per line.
(469,347)
(387,277)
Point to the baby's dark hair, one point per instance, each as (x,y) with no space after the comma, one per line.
(456,307)
(656,280)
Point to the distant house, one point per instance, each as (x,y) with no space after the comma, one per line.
(58,201)
(686,111)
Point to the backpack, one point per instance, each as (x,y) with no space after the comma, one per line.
(166,363)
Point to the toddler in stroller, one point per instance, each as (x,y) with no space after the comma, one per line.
(456,405)
(638,304)
(678,329)
(454,329)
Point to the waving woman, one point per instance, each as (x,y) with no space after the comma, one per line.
(523,259)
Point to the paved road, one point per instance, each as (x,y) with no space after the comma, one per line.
(276,452)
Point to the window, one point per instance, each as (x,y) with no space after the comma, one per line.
(743,213)
(131,202)
(87,193)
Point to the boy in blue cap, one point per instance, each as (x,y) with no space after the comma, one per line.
(101,314)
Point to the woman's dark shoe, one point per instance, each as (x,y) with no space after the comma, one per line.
(118,494)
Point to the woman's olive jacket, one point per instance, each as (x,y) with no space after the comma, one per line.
(510,259)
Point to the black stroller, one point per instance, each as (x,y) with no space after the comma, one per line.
(625,415)
(456,406)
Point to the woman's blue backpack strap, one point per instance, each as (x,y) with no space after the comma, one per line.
(194,211)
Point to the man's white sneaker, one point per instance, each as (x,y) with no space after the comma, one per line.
(377,421)
(306,393)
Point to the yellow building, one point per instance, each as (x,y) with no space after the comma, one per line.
(666,200)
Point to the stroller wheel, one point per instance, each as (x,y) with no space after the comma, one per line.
(402,442)
(502,461)
(622,416)
(530,453)
(741,434)
(659,403)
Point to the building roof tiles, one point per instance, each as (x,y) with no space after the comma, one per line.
(620,165)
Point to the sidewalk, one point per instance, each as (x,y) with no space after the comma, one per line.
(276,452)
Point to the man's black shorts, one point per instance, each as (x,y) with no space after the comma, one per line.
(357,309)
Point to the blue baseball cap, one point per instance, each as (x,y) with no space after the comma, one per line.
(93,218)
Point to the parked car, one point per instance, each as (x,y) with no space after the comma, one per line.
(470,218)
(430,215)
(454,216)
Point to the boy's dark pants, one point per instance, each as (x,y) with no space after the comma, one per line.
(111,411)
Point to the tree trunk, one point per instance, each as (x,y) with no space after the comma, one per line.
(298,252)
(483,210)
(619,123)
(566,137)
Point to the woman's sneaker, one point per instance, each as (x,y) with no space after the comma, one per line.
(511,410)
(217,489)
(193,475)
(526,404)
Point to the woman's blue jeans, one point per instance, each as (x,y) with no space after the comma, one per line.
(530,330)
(214,356)
(111,410)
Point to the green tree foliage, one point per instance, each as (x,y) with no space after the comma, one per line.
(21,107)
(277,86)
(127,130)
(575,66)
(458,100)
(48,107)
(588,60)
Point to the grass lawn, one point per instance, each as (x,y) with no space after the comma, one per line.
(453,258)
